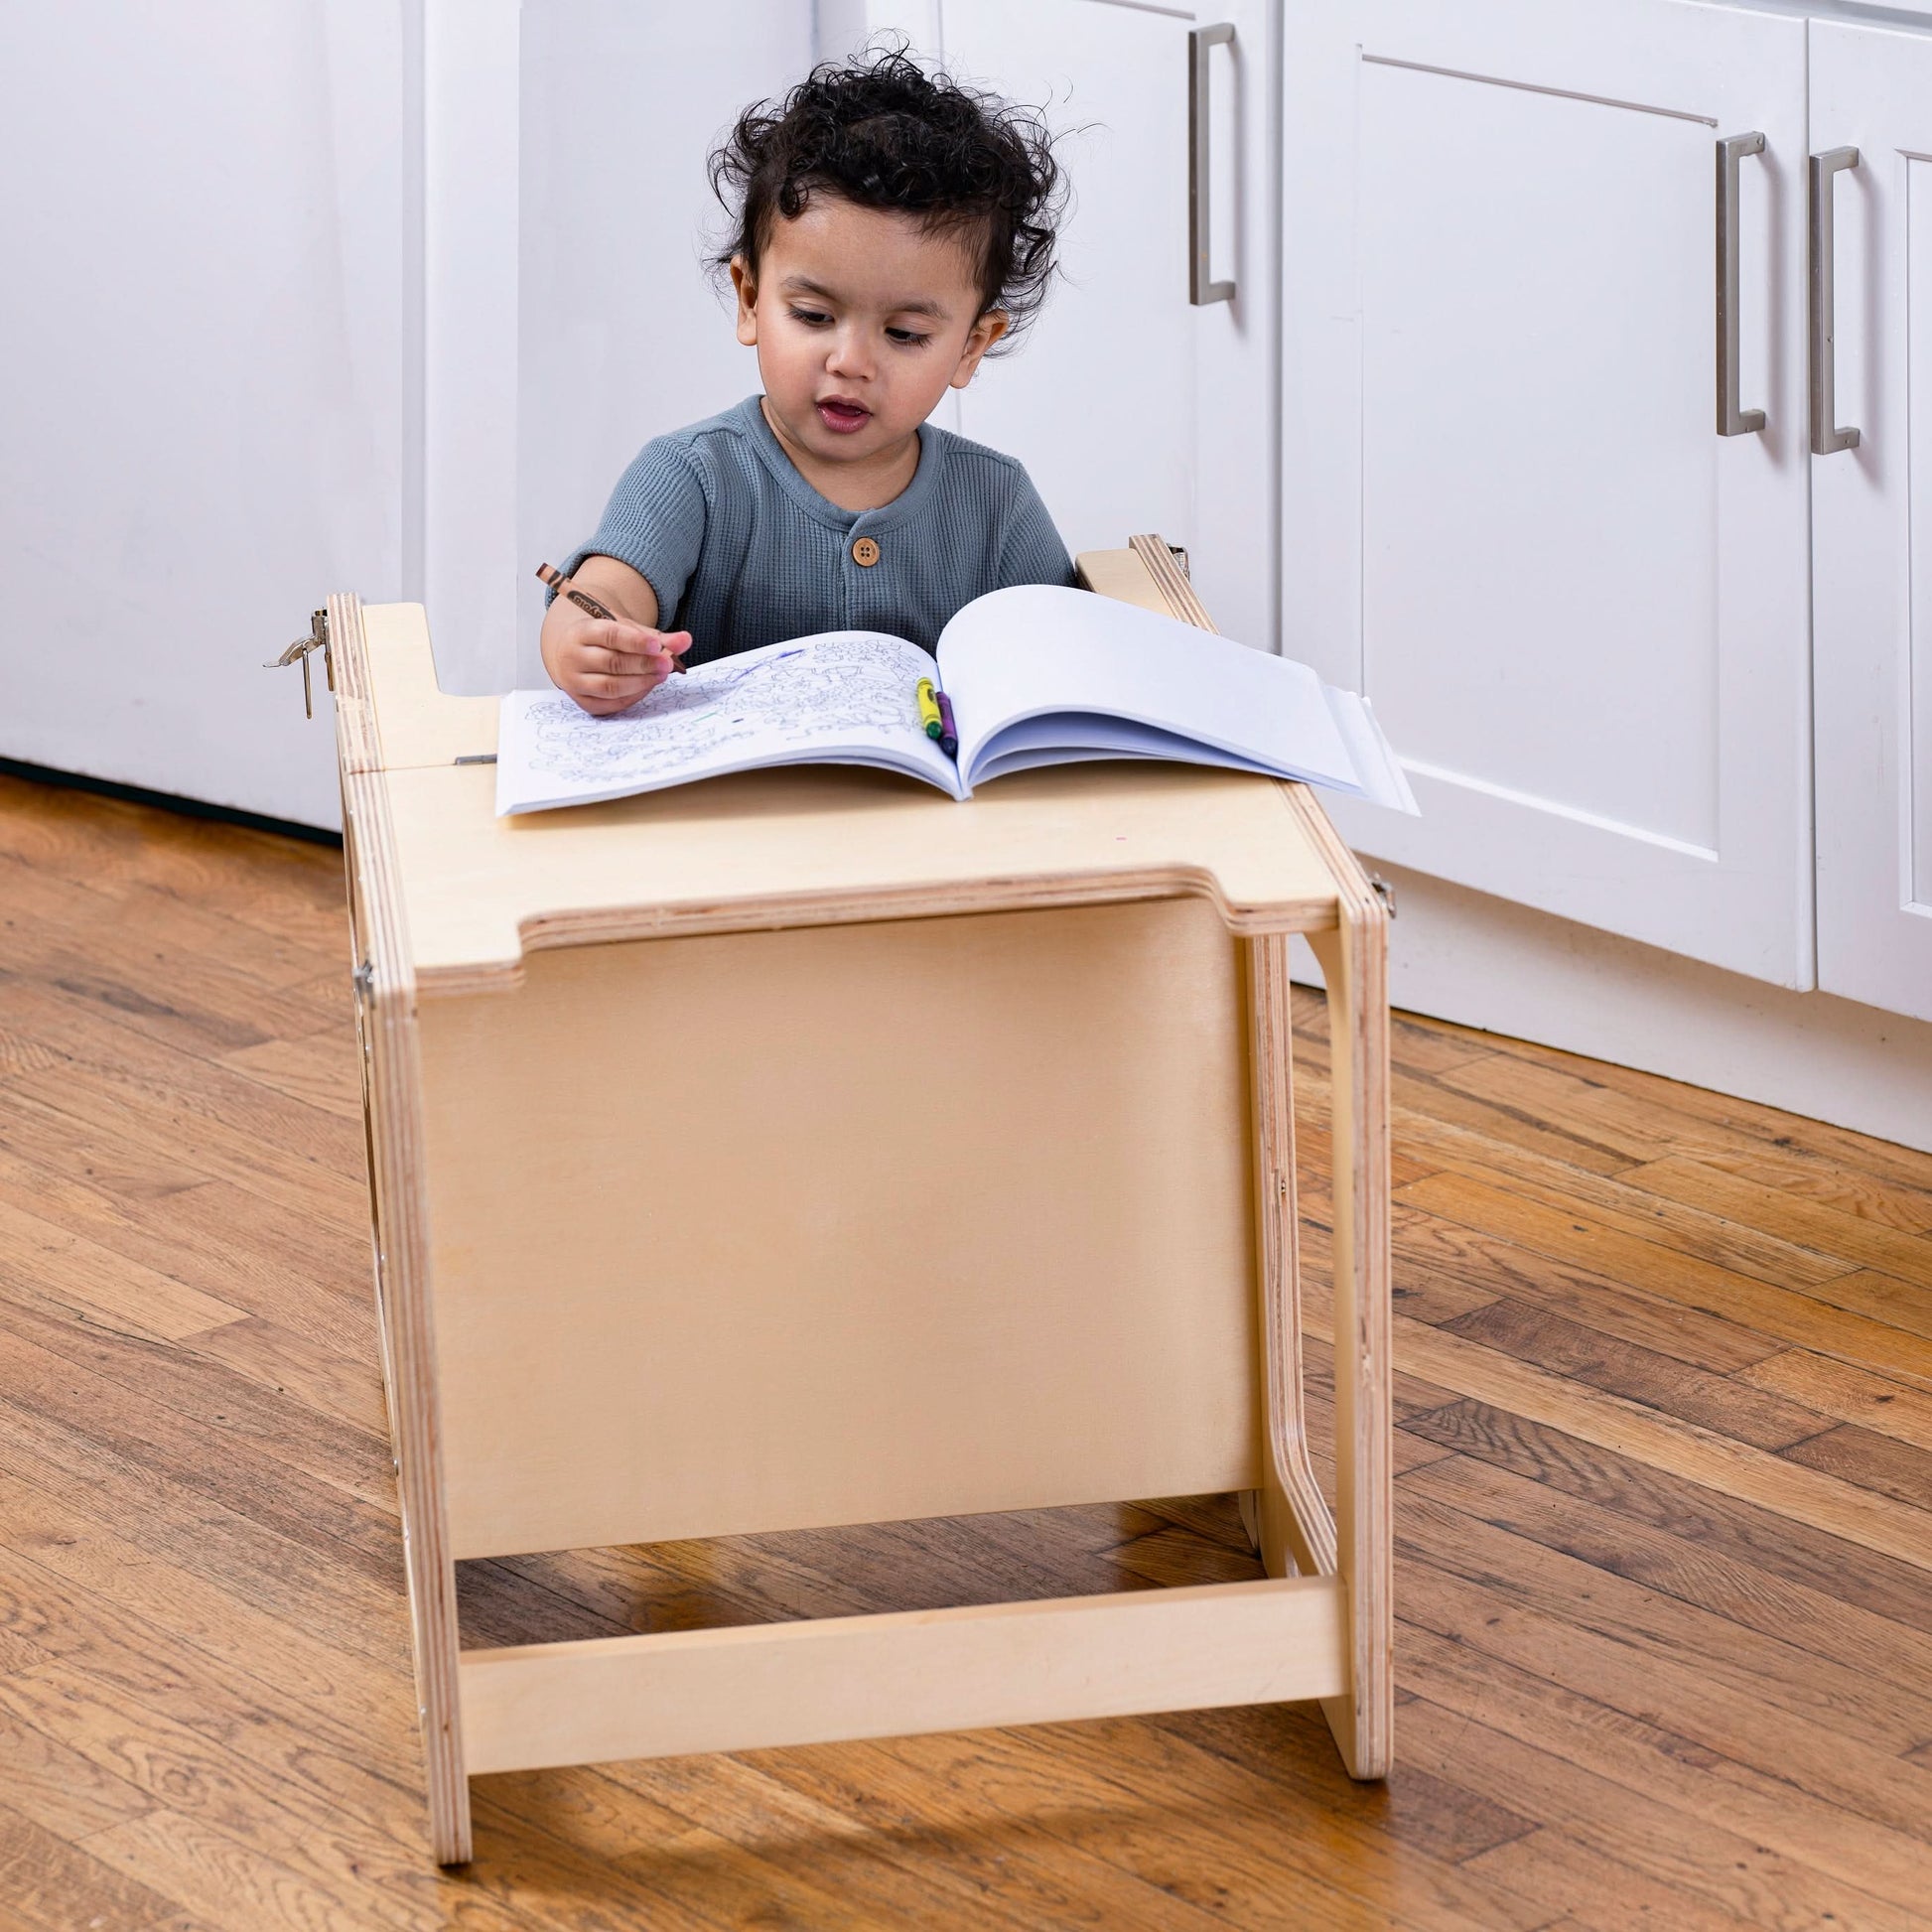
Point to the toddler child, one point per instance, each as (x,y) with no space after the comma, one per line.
(890,229)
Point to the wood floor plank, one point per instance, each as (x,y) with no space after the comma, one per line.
(129,926)
(1771,1675)
(1847,1646)
(1850,1394)
(1539,1092)
(145,1077)
(333,1518)
(48,1264)
(562,1845)
(1439,1249)
(236,1415)
(301,1260)
(1624,1203)
(319,1068)
(277,884)
(1641,1375)
(943,1858)
(1667,1275)
(1085,1799)
(1871,1460)
(180,1640)
(1560,1872)
(49,1884)
(184,1526)
(195,1777)
(1776,1546)
(1693,1116)
(1610,1422)
(347,1388)
(1823,1862)
(1818,1226)
(1831,1185)
(1705,1868)
(1826,1750)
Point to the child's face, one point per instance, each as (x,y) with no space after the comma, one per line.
(862,323)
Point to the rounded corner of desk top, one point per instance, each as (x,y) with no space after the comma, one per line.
(806,845)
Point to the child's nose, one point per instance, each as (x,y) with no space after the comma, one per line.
(850,354)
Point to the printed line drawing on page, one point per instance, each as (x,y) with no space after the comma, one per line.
(844,683)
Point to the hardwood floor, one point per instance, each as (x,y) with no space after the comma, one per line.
(1664,1515)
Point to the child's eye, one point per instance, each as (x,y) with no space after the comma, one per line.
(811,318)
(907,338)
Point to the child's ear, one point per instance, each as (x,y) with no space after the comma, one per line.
(744,282)
(979,338)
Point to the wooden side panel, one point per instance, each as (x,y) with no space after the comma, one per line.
(1355,966)
(921,1670)
(844,1225)
(385,993)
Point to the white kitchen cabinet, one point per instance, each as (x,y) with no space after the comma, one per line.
(203,425)
(1871,519)
(1133,407)
(1508,513)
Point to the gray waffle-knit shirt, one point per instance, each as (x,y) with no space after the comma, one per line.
(742,551)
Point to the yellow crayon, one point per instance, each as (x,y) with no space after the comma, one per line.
(929,709)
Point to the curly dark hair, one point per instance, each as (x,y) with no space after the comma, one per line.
(884,132)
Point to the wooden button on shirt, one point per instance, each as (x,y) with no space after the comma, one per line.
(866,552)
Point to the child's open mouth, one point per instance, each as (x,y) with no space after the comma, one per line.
(838,414)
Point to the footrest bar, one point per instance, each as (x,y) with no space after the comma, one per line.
(769,1683)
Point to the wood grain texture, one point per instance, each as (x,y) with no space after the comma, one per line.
(390,1076)
(1637,1691)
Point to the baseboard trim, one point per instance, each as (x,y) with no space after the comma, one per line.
(167,801)
(1483,962)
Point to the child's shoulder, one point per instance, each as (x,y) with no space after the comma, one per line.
(698,440)
(962,450)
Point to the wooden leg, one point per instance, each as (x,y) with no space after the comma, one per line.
(1293,1530)
(1354,961)
(386,1019)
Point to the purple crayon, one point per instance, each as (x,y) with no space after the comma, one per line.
(948,731)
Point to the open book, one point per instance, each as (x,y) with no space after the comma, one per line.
(1035,675)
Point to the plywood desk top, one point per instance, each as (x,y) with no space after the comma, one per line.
(797,846)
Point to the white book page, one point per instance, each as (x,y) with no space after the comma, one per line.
(846,697)
(1036,651)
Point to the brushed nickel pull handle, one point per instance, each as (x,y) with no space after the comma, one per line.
(1201,289)
(1731,420)
(1826,435)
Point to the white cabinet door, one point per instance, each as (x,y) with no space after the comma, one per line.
(1508,515)
(1132,408)
(201,430)
(1871,523)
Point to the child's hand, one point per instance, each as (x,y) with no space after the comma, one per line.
(607,664)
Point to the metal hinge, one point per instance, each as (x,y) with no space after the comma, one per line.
(363,978)
(1384,892)
(316,639)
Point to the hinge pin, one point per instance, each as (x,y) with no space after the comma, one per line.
(299,651)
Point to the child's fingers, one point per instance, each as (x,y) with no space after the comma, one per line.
(603,660)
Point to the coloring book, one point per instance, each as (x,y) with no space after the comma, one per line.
(1035,675)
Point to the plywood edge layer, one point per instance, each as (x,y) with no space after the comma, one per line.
(605,925)
(358,742)
(838,1678)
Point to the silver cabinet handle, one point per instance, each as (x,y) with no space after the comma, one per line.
(1825,436)
(1731,420)
(1200,290)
